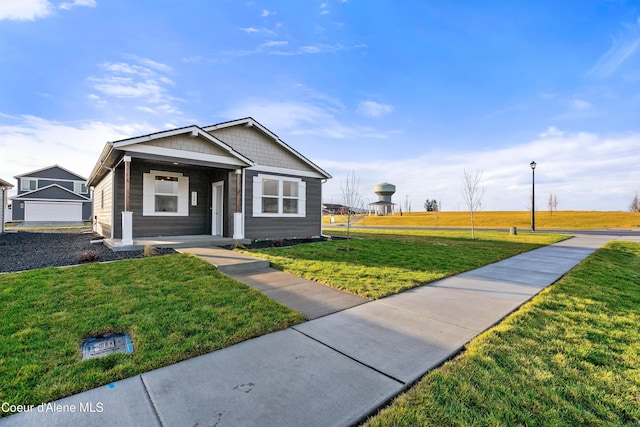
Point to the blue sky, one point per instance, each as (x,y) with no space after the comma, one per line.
(408,92)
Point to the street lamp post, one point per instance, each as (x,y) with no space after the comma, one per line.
(533,195)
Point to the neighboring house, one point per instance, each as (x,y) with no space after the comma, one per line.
(234,179)
(51,194)
(4,188)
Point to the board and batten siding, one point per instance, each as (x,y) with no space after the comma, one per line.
(285,227)
(102,206)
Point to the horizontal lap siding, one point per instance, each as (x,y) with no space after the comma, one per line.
(102,212)
(283,227)
(197,222)
(4,204)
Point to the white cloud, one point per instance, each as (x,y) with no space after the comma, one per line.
(266,13)
(30,143)
(145,84)
(314,118)
(551,131)
(25,10)
(623,46)
(275,43)
(373,109)
(76,3)
(586,171)
(30,10)
(580,104)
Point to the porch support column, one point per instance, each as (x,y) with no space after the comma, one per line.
(127,215)
(238,226)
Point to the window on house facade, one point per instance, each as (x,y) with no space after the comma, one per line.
(27,184)
(165,194)
(79,187)
(278,196)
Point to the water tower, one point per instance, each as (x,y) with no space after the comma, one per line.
(384,192)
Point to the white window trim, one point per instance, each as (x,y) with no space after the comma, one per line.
(149,194)
(25,180)
(81,183)
(257,197)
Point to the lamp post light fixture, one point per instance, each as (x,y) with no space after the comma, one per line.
(533,195)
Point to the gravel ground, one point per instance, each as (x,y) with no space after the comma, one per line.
(28,250)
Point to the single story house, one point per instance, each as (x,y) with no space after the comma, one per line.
(235,179)
(4,188)
(51,194)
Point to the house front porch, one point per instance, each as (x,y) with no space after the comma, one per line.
(172,242)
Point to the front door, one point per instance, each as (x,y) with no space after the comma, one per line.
(217,200)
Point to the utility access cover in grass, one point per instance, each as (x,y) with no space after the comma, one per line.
(103,346)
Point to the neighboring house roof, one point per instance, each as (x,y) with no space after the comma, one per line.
(5,184)
(250,122)
(39,174)
(218,151)
(51,192)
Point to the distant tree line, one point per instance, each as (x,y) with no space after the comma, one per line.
(635,204)
(431,205)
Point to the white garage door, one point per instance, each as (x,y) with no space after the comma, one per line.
(52,211)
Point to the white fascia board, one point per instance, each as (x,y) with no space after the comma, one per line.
(192,131)
(151,137)
(250,122)
(22,196)
(287,171)
(182,154)
(53,200)
(106,151)
(28,174)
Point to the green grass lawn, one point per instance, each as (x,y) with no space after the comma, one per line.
(385,262)
(569,357)
(174,307)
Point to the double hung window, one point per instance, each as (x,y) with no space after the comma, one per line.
(278,196)
(28,184)
(165,194)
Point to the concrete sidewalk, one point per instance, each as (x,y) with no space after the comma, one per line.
(334,370)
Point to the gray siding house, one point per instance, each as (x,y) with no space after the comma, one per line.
(4,188)
(235,179)
(51,194)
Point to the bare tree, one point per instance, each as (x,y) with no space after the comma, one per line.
(635,204)
(552,203)
(473,193)
(351,199)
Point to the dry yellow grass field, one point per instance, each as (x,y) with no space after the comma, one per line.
(504,219)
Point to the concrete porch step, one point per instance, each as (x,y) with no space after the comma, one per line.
(172,242)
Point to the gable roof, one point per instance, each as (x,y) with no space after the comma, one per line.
(193,131)
(251,122)
(38,173)
(152,144)
(51,192)
(109,157)
(5,184)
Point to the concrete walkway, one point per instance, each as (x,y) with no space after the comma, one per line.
(312,299)
(334,370)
